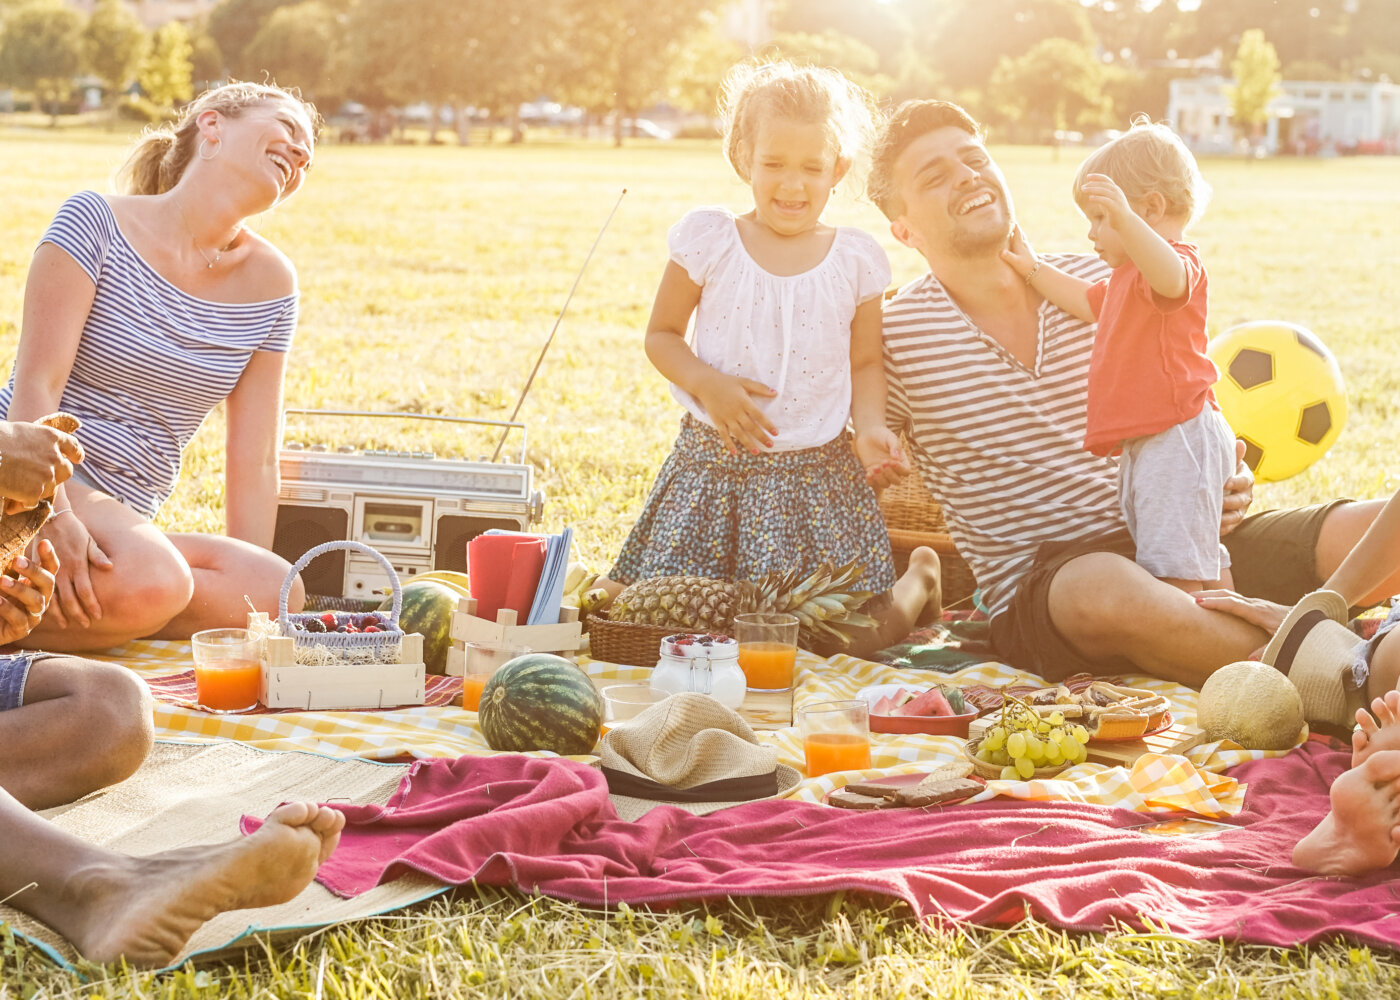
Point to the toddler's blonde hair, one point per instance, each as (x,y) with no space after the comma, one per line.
(808,95)
(1148,158)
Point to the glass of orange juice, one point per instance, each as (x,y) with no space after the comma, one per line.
(227,670)
(767,649)
(835,735)
(482,660)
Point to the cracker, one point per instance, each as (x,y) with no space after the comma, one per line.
(927,793)
(847,799)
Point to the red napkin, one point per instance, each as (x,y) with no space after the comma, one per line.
(527,563)
(504,571)
(489,560)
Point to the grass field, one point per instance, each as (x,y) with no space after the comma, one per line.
(431,277)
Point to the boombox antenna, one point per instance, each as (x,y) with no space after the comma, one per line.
(557,320)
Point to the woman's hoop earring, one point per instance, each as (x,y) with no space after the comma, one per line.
(203,155)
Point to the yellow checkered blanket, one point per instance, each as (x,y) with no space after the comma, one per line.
(1191,783)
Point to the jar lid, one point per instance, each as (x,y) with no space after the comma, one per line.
(690,644)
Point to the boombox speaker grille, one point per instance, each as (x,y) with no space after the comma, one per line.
(302,528)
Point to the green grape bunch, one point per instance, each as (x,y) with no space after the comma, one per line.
(1022,740)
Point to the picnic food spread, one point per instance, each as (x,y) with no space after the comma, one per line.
(1253,704)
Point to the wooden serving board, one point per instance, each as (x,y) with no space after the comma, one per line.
(1177,739)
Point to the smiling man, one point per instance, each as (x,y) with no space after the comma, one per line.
(988,382)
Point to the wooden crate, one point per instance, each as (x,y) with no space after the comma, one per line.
(288,684)
(563,638)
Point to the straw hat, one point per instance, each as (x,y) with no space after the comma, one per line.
(691,752)
(1317,651)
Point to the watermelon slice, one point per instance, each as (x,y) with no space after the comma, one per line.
(889,704)
(930,702)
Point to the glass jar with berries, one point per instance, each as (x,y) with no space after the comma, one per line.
(707,664)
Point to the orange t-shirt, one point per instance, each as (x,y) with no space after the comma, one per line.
(1149,369)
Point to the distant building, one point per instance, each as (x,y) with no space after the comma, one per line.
(1308,117)
(154,13)
(749,22)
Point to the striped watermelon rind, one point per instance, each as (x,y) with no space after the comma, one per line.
(541,702)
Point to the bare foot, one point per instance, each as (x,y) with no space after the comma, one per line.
(145,909)
(922,582)
(1362,832)
(1380,728)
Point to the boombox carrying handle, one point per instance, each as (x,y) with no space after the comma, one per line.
(321,549)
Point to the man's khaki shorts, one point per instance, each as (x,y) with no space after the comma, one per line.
(1273,556)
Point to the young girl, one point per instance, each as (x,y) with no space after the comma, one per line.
(786,349)
(1150,381)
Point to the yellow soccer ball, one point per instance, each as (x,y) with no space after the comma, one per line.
(1281,391)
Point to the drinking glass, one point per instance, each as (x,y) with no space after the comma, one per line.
(482,660)
(227,670)
(767,649)
(835,736)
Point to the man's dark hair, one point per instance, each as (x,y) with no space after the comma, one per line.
(909,121)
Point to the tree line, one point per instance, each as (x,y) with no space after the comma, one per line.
(1028,64)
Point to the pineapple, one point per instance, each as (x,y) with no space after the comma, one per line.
(822,603)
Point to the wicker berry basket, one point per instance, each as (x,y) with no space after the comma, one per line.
(625,643)
(993,771)
(914,518)
(382,645)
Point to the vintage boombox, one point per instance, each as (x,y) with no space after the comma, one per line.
(416,509)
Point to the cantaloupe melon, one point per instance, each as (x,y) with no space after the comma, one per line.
(1253,704)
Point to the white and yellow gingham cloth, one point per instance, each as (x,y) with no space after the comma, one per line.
(1157,782)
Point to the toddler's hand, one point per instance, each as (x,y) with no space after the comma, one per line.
(728,401)
(1019,255)
(1102,193)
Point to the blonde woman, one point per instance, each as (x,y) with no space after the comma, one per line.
(142,312)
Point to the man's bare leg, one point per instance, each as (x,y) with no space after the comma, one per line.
(1108,607)
(113,906)
(83,726)
(1362,832)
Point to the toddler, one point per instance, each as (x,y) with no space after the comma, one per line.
(1150,397)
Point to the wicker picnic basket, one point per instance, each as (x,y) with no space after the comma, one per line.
(382,646)
(626,643)
(914,518)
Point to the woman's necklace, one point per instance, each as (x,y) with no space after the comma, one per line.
(218,253)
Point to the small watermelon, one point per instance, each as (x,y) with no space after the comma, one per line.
(427,609)
(541,702)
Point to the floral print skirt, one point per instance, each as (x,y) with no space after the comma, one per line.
(736,517)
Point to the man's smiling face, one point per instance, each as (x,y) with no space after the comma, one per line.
(953,196)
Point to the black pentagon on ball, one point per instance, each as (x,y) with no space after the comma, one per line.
(1306,339)
(1250,368)
(1253,454)
(1314,422)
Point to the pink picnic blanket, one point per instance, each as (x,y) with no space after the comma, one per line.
(547,826)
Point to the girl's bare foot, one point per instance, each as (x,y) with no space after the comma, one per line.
(1380,728)
(1362,832)
(145,909)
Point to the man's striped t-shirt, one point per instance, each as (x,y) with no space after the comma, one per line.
(999,445)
